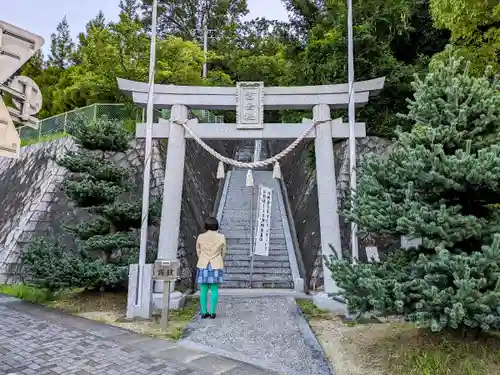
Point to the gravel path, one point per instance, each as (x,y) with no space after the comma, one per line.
(268,331)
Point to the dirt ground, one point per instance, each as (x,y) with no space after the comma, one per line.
(393,347)
(110,308)
(346,346)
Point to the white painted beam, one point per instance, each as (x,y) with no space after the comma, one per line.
(271,102)
(217,131)
(373,85)
(212,98)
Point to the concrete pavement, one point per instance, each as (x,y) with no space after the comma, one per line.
(35,340)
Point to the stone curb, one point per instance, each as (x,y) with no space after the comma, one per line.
(311,338)
(190,357)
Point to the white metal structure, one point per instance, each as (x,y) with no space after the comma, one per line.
(17,46)
(352,128)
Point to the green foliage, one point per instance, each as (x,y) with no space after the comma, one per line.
(127,214)
(439,184)
(474,27)
(107,242)
(89,229)
(51,265)
(387,42)
(182,17)
(393,39)
(104,135)
(27,292)
(61,46)
(87,192)
(44,138)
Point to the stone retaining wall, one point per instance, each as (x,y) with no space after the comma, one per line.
(32,203)
(299,174)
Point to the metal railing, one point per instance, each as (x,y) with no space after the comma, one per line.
(58,125)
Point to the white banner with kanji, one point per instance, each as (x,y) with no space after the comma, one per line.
(263,222)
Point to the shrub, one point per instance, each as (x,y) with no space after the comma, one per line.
(440,184)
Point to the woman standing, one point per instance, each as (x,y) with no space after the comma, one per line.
(211,249)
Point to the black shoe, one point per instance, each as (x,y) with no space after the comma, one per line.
(204,316)
(212,316)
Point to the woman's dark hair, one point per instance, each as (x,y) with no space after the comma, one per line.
(211,224)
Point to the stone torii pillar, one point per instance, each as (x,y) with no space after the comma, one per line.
(249,99)
(168,241)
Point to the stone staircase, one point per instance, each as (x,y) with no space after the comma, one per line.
(273,271)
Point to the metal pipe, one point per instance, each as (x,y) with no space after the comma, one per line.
(252,191)
(205,50)
(147,157)
(352,122)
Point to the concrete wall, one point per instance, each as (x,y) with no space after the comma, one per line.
(32,203)
(299,174)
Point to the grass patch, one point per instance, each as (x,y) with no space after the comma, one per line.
(393,347)
(110,308)
(27,293)
(405,350)
(310,310)
(43,138)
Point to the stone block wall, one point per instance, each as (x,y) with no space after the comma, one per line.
(32,203)
(299,175)
(28,188)
(198,199)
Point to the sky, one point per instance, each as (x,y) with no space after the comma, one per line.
(42,16)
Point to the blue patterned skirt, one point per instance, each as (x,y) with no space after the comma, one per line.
(209,275)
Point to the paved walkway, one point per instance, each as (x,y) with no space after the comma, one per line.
(268,331)
(38,341)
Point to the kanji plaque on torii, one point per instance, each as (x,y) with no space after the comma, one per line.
(16,48)
(250,105)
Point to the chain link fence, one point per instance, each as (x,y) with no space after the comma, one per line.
(57,126)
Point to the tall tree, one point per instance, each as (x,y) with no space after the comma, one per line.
(253,51)
(183,18)
(130,8)
(61,46)
(121,50)
(474,27)
(381,30)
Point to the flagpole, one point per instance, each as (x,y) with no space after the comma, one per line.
(352,122)
(147,157)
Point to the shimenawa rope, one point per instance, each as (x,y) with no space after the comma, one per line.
(256,164)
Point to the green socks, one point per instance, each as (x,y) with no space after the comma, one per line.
(214,298)
(203,297)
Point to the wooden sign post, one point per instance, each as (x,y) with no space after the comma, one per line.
(166,271)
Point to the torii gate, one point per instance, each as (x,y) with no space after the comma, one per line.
(249,100)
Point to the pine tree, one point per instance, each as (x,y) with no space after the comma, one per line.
(129,8)
(62,46)
(441,184)
(105,189)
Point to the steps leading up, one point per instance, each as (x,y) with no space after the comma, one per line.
(241,271)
